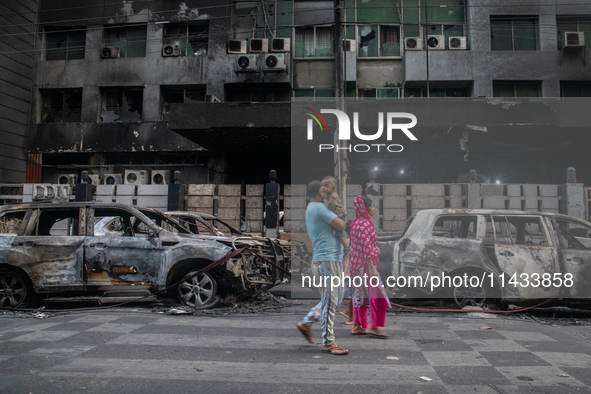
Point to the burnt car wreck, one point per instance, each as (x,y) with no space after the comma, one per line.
(511,256)
(115,252)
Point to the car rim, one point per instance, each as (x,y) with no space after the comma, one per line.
(474,296)
(12,291)
(197,291)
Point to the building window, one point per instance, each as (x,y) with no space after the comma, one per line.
(65,43)
(314,42)
(379,41)
(179,95)
(513,33)
(378,94)
(61,105)
(314,94)
(188,39)
(251,20)
(516,89)
(258,92)
(121,104)
(575,88)
(573,23)
(131,40)
(436,92)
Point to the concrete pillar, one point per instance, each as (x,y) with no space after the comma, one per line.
(572,195)
(272,206)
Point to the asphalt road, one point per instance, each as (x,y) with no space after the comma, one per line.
(136,350)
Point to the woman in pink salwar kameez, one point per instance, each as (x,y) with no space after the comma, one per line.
(368,290)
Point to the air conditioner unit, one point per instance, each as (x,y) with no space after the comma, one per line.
(274,62)
(349,45)
(109,52)
(67,179)
(112,179)
(258,45)
(413,44)
(236,46)
(247,63)
(280,44)
(160,177)
(171,49)
(136,177)
(457,43)
(94,179)
(573,39)
(210,98)
(436,43)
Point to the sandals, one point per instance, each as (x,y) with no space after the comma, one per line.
(359,332)
(306,331)
(378,334)
(336,350)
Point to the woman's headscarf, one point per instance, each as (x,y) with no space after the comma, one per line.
(364,238)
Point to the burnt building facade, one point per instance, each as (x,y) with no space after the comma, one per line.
(205,87)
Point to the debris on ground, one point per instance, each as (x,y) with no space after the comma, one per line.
(230,305)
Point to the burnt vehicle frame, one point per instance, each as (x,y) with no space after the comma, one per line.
(490,243)
(52,249)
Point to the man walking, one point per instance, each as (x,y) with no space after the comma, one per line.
(326,262)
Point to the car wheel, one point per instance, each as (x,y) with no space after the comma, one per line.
(15,290)
(468,295)
(199,291)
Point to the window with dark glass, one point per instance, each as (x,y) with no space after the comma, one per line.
(61,105)
(179,95)
(131,40)
(516,89)
(575,88)
(188,39)
(513,33)
(121,104)
(63,43)
(258,92)
(436,92)
(572,24)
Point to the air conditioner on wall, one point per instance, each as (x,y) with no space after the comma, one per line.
(274,62)
(350,45)
(112,179)
(457,43)
(413,43)
(280,44)
(258,45)
(246,63)
(436,43)
(94,179)
(171,49)
(160,177)
(136,177)
(67,179)
(573,39)
(109,52)
(236,46)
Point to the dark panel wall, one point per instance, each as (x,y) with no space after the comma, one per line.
(17,47)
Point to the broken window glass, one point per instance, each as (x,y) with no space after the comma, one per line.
(61,105)
(122,105)
(379,40)
(65,43)
(190,39)
(181,94)
(10,222)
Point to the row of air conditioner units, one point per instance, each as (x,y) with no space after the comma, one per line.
(270,62)
(259,45)
(435,43)
(130,177)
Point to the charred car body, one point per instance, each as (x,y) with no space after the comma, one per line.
(113,251)
(512,255)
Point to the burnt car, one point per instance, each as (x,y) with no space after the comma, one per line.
(114,251)
(506,256)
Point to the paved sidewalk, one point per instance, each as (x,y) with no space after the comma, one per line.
(123,350)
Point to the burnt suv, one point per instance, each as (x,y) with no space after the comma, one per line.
(510,255)
(114,251)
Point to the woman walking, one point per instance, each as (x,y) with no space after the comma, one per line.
(364,262)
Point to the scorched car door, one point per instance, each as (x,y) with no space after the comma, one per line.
(523,252)
(576,258)
(123,256)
